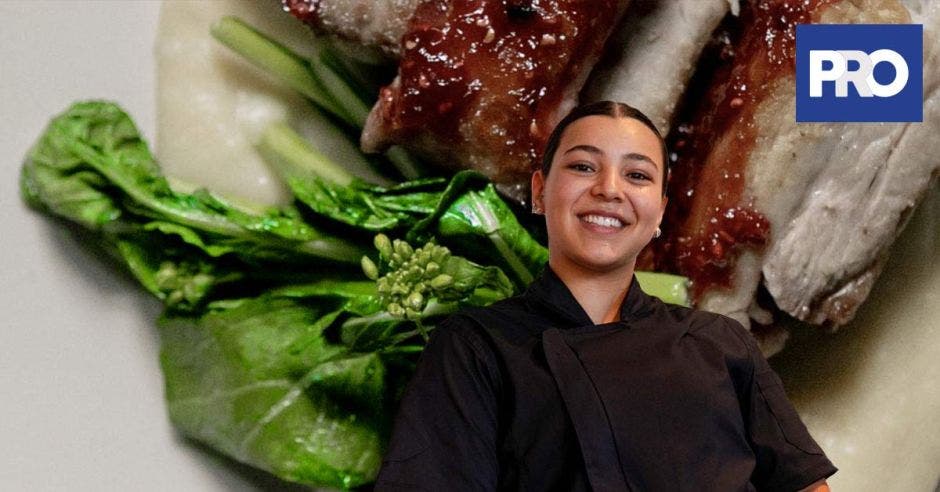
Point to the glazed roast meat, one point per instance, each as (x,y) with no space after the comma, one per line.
(481,84)
(806,210)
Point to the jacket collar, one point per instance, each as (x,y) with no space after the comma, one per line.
(549,293)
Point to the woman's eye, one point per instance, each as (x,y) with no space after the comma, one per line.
(581,167)
(638,176)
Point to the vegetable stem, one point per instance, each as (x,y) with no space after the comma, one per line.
(275,58)
(333,248)
(294,157)
(407,165)
(672,289)
(342,93)
(493,228)
(512,259)
(434,308)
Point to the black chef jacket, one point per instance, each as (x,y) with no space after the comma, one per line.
(529,394)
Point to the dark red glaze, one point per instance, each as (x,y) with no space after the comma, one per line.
(306,11)
(710,221)
(492,74)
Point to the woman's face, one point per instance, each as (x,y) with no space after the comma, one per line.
(603,197)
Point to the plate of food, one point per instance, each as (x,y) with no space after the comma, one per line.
(212,286)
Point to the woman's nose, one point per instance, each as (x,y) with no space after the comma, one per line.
(608,185)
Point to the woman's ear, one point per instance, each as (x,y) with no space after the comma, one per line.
(662,212)
(538,185)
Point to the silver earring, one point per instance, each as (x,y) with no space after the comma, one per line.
(537,210)
(657,233)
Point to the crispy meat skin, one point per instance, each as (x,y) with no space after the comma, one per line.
(372,23)
(482,83)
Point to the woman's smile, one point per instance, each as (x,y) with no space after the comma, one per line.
(602,222)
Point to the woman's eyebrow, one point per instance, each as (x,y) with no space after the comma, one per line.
(585,147)
(633,156)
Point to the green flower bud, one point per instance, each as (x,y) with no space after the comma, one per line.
(440,256)
(412,314)
(395,260)
(174,298)
(165,274)
(396,310)
(431,268)
(421,257)
(383,286)
(402,248)
(415,301)
(369,268)
(441,281)
(383,244)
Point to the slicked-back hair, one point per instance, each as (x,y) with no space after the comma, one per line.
(612,109)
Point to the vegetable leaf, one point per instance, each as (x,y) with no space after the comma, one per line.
(474,213)
(233,382)
(368,207)
(91,166)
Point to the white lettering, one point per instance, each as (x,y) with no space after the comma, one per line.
(855,77)
(862,77)
(817,75)
(900,77)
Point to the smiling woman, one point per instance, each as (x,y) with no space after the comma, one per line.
(584,382)
(604,199)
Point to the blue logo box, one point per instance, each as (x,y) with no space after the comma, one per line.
(855,73)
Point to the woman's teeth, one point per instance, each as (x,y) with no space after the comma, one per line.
(602,220)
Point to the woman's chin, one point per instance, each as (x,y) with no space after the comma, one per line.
(604,263)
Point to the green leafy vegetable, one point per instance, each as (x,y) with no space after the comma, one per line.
(91,166)
(483,213)
(311,416)
(330,191)
(416,276)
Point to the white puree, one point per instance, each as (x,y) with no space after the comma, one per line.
(869,393)
(212,105)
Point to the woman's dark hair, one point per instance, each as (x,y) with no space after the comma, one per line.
(602,108)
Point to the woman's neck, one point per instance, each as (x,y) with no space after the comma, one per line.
(599,294)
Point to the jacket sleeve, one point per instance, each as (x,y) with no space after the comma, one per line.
(444,435)
(788,459)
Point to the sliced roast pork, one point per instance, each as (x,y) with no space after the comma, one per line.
(481,84)
(807,210)
(652,55)
(821,267)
